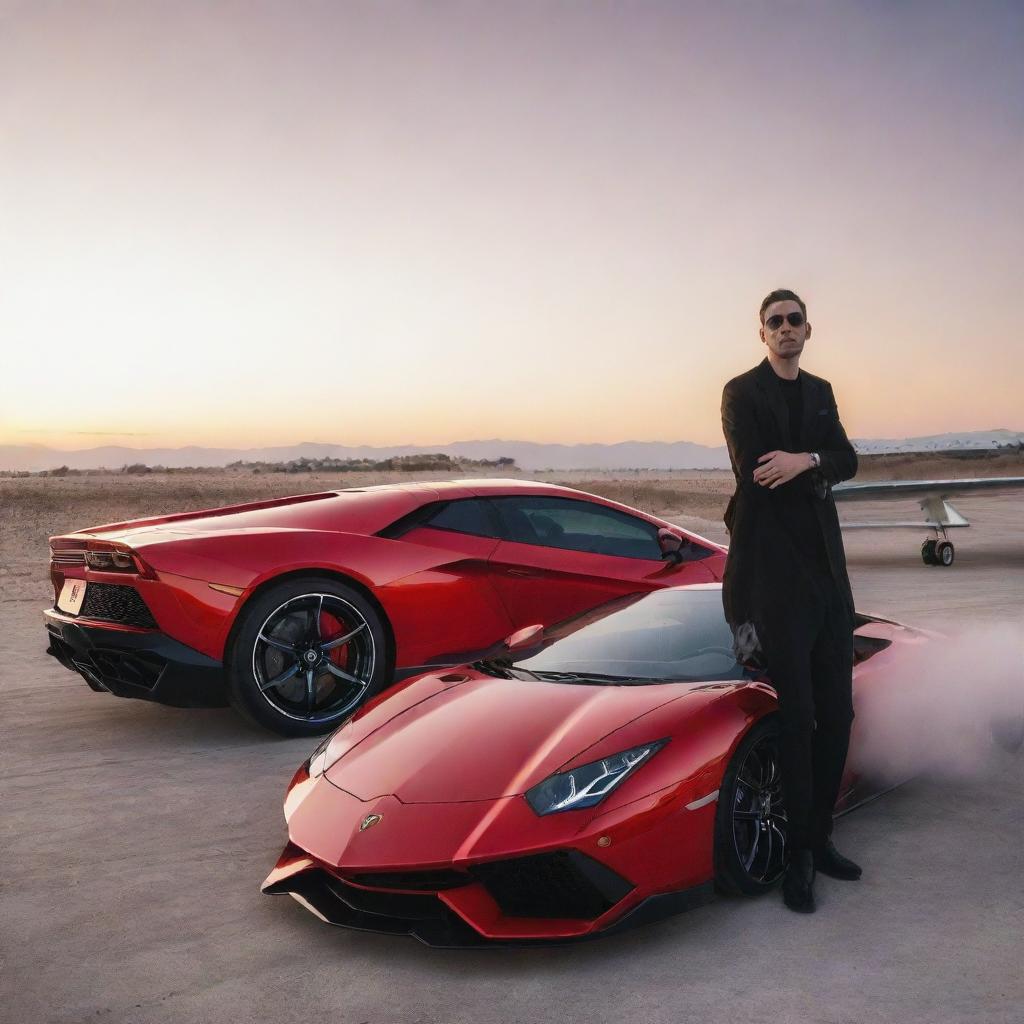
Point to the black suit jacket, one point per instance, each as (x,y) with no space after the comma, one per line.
(765,570)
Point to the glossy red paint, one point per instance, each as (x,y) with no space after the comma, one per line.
(450,750)
(576,580)
(446,767)
(442,593)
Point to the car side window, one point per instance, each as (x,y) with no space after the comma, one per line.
(465,515)
(577,526)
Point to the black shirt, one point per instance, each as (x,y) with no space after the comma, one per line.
(793,393)
(800,513)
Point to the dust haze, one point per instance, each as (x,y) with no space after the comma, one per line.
(948,707)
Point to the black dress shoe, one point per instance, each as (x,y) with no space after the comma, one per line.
(798,885)
(829,861)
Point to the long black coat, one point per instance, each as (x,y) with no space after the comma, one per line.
(765,571)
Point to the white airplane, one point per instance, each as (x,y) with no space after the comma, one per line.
(940,515)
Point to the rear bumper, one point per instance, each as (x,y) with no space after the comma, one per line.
(141,663)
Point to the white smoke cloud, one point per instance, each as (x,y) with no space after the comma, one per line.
(941,707)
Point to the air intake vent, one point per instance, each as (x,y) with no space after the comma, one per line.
(562,884)
(415,881)
(111,602)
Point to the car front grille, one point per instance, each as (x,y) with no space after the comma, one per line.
(413,881)
(564,884)
(111,602)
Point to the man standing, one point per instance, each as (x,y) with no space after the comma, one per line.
(785,585)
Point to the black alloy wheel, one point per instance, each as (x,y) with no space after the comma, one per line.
(750,824)
(307,655)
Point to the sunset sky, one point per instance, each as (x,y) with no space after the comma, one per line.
(383,222)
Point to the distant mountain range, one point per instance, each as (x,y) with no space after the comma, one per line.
(971,440)
(528,455)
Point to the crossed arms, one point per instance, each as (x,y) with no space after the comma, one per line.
(754,466)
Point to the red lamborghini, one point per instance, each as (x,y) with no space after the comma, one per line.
(603,773)
(297,610)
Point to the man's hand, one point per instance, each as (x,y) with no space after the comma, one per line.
(780,467)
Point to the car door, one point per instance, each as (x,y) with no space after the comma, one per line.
(451,606)
(561,556)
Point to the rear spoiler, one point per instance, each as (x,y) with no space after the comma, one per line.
(178,517)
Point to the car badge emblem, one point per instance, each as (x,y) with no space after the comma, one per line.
(369,821)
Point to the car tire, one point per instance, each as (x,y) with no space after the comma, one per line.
(280,636)
(749,848)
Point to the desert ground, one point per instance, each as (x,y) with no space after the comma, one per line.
(135,837)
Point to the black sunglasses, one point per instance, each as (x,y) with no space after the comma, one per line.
(773,323)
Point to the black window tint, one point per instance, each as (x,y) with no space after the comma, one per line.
(400,527)
(679,633)
(465,516)
(578,526)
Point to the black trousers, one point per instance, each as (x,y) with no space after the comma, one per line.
(807,649)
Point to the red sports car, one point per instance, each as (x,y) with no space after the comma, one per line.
(600,774)
(299,609)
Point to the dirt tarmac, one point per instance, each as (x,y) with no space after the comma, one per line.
(135,838)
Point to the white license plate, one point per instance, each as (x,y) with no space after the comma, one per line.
(72,595)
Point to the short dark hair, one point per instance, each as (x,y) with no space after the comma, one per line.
(781,295)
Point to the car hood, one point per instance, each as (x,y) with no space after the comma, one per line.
(481,738)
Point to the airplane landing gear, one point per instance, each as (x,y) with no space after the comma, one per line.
(937,552)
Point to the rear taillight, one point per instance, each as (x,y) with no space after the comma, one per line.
(111,561)
(103,556)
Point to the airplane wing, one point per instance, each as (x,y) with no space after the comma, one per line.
(940,515)
(882,489)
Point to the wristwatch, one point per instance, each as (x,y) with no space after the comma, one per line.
(815,460)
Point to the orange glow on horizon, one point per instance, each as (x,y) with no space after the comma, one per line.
(551,223)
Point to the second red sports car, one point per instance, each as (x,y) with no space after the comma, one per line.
(604,772)
(297,610)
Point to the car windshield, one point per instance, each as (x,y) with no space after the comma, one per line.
(678,634)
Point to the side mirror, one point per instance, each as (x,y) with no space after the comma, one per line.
(671,545)
(525,637)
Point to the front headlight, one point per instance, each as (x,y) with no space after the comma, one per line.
(589,784)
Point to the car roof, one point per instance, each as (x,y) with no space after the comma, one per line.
(468,487)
